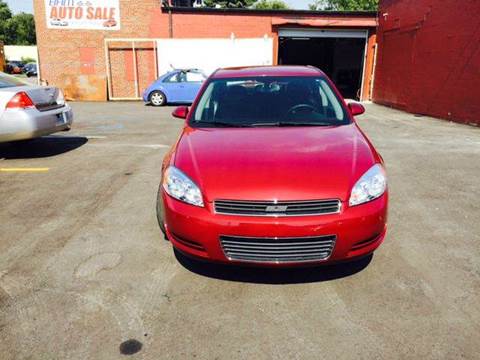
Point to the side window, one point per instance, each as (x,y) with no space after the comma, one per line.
(172,78)
(194,77)
(176,78)
(182,77)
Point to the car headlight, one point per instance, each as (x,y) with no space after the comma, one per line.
(370,186)
(179,186)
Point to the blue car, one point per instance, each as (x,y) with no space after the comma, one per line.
(177,86)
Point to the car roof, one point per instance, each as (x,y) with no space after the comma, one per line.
(282,70)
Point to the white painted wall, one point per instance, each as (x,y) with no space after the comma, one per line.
(210,54)
(16,52)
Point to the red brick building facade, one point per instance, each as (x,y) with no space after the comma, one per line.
(89,67)
(429,58)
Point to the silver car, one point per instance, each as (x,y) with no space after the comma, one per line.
(29,111)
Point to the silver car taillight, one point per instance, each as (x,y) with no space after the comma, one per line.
(20,101)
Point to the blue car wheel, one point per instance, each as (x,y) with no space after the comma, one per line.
(157,98)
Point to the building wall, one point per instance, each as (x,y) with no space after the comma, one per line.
(428,58)
(75,59)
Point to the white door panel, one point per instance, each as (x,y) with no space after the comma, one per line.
(211,54)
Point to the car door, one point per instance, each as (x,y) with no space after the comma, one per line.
(174,86)
(192,85)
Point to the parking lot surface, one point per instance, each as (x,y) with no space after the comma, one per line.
(85,273)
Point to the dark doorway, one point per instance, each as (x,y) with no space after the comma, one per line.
(340,58)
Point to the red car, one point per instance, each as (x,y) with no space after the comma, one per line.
(272,169)
(110,23)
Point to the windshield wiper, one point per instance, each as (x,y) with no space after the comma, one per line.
(293,123)
(221,124)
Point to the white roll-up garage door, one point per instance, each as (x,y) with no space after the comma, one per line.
(210,54)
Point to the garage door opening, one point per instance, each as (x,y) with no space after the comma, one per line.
(339,54)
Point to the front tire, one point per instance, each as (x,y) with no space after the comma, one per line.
(157,98)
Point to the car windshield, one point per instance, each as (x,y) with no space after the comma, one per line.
(7,81)
(269,101)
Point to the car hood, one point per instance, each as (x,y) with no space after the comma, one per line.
(282,163)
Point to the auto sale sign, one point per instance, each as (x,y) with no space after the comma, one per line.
(83,14)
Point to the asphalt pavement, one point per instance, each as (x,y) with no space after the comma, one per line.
(86,274)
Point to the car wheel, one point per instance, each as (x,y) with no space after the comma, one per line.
(158,98)
(160,212)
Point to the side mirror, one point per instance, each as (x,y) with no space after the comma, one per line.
(180,112)
(356,108)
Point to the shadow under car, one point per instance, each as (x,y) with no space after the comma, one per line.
(41,147)
(273,276)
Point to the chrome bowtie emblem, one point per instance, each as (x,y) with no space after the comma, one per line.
(276,208)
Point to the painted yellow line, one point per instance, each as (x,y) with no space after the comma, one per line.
(24,169)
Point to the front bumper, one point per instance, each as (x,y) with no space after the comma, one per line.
(21,124)
(146,95)
(195,231)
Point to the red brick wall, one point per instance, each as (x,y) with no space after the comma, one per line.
(121,60)
(61,57)
(87,60)
(220,26)
(429,58)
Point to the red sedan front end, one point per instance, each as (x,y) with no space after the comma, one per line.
(271,169)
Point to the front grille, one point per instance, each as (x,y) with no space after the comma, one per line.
(278,208)
(278,250)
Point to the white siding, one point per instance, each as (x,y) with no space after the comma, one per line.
(210,54)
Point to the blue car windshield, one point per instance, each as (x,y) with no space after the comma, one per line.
(269,101)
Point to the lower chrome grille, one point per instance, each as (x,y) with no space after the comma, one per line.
(278,250)
(277,208)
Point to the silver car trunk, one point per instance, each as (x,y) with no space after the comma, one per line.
(44,97)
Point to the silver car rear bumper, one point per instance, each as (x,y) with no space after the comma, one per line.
(31,123)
